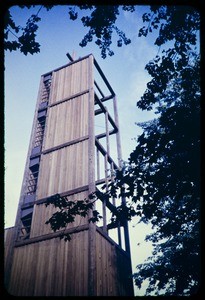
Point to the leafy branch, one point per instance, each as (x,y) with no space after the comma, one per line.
(25,37)
(68,210)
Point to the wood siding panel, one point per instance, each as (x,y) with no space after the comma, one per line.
(51,268)
(66,121)
(58,268)
(47,265)
(105,267)
(9,236)
(63,170)
(8,242)
(113,269)
(42,213)
(69,81)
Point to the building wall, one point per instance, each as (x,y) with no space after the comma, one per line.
(54,267)
(51,268)
(9,239)
(67,121)
(112,268)
(75,77)
(63,170)
(42,213)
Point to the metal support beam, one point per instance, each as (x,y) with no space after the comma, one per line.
(69,56)
(98,88)
(107,132)
(126,231)
(98,163)
(104,202)
(104,78)
(104,152)
(103,108)
(102,135)
(114,203)
(119,150)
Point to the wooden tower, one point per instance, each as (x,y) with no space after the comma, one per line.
(71,155)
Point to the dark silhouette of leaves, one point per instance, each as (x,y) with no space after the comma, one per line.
(101,23)
(100,20)
(68,210)
(22,38)
(26,42)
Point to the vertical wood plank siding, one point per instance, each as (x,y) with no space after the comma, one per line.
(42,213)
(58,268)
(67,121)
(51,268)
(9,236)
(63,170)
(73,77)
(66,168)
(113,269)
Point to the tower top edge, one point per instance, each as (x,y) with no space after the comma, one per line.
(68,64)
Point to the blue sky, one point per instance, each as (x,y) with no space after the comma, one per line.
(124,71)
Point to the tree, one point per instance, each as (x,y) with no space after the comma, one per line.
(25,42)
(100,21)
(167,156)
(162,179)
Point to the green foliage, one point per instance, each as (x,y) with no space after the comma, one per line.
(96,216)
(25,42)
(67,210)
(101,24)
(22,38)
(162,186)
(100,20)
(179,25)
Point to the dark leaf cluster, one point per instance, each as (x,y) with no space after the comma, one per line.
(168,156)
(100,20)
(177,25)
(165,269)
(23,38)
(67,210)
(101,24)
